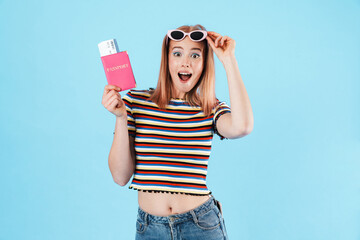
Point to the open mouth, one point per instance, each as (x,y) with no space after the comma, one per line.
(184,76)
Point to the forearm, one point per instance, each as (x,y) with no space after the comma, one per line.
(121,156)
(241,111)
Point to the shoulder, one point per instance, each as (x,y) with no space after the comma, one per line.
(220,104)
(140,97)
(220,108)
(134,93)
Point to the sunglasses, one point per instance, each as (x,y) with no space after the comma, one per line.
(178,35)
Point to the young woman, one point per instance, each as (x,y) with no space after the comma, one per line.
(164,136)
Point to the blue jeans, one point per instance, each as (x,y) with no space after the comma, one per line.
(203,222)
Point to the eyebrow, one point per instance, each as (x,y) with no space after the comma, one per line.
(191,49)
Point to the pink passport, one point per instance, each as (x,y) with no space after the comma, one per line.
(118,70)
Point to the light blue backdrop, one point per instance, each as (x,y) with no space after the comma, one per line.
(295,177)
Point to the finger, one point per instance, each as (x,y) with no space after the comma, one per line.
(213,35)
(217,41)
(106,99)
(114,104)
(107,89)
(110,87)
(116,88)
(110,100)
(223,40)
(109,95)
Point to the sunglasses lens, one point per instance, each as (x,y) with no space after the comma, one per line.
(177,35)
(197,35)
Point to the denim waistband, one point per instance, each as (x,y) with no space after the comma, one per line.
(206,206)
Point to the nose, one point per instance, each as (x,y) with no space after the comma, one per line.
(186,63)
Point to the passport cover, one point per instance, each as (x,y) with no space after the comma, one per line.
(118,70)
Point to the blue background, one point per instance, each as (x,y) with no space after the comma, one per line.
(295,177)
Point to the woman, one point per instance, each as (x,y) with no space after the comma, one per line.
(163,136)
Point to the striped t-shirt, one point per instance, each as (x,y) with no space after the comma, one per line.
(172,145)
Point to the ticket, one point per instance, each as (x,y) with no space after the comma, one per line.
(108,47)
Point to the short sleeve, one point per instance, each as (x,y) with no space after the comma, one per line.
(128,100)
(220,109)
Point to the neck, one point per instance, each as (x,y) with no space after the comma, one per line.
(177,94)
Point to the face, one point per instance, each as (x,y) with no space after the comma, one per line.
(185,56)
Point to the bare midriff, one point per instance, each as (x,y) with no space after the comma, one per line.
(165,204)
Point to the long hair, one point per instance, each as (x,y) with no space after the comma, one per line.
(203,93)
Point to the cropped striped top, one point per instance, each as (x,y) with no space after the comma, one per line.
(172,145)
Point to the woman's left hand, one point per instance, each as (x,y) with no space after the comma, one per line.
(223,46)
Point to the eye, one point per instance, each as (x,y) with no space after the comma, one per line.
(196,55)
(175,53)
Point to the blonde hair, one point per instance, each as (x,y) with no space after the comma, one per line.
(203,93)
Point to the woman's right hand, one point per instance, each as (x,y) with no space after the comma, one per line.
(112,101)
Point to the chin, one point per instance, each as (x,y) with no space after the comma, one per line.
(186,89)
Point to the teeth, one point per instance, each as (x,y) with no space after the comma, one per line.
(185,73)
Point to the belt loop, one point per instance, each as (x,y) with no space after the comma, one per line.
(194,216)
(146,218)
(214,199)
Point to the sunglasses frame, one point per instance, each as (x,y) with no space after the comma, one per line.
(185,34)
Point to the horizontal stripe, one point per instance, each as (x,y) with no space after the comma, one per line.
(171,164)
(184,129)
(202,133)
(179,179)
(172,145)
(192,156)
(169,173)
(174,169)
(198,119)
(167,166)
(168,183)
(145,158)
(171,189)
(172,152)
(182,138)
(204,143)
(136,106)
(178,124)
